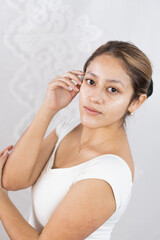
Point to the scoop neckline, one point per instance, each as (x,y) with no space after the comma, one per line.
(79,165)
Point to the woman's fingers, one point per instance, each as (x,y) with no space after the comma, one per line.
(7,148)
(73,76)
(77,71)
(67,78)
(10,147)
(5,154)
(69,83)
(64,83)
(3,158)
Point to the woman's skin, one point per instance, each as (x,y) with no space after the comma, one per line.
(13,222)
(3,157)
(97,94)
(100,94)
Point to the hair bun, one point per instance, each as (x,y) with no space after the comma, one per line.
(150,89)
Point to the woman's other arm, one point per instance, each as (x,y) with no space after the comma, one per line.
(77,216)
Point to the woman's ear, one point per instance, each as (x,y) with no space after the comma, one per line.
(135,104)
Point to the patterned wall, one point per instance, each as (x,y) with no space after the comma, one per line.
(49,39)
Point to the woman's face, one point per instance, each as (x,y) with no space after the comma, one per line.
(107,89)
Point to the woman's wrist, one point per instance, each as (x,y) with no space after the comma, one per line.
(50,113)
(3,197)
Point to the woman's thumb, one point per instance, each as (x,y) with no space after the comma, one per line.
(5,153)
(74,93)
(4,157)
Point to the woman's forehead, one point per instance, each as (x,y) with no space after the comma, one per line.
(108,68)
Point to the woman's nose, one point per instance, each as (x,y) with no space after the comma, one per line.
(96,99)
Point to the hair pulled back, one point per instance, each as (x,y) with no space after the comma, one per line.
(135,62)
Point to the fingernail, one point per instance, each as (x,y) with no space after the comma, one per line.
(81,78)
(77,89)
(5,153)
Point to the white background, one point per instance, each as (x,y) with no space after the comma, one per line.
(40,39)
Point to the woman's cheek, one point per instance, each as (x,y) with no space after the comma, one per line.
(84,91)
(83,94)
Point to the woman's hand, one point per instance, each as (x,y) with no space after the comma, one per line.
(58,94)
(3,157)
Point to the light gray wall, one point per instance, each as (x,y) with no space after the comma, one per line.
(42,39)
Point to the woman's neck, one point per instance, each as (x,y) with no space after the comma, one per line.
(95,136)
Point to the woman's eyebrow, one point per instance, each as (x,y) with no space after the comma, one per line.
(107,80)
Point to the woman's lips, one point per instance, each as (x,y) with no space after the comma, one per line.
(91,111)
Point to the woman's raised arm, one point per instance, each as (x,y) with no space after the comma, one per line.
(31,152)
(22,160)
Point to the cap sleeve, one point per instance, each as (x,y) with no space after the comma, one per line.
(115,171)
(59,127)
(66,125)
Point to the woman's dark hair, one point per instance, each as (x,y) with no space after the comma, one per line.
(135,62)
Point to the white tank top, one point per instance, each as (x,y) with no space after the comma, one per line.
(53,184)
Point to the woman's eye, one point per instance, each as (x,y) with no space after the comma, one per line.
(89,80)
(114,90)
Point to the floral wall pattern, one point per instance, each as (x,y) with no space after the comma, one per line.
(49,39)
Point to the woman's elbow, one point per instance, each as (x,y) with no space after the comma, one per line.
(11,184)
(6,183)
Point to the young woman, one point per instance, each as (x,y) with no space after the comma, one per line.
(82,173)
